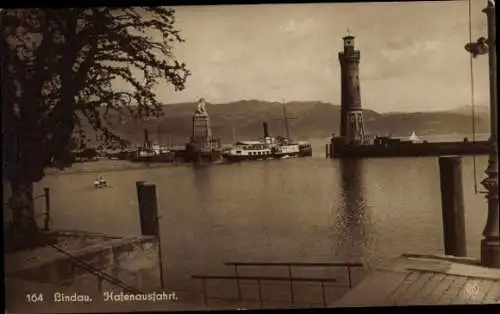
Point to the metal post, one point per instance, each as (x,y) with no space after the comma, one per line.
(327,150)
(292,296)
(160,263)
(238,287)
(323,293)
(490,244)
(204,290)
(159,135)
(47,208)
(349,280)
(452,202)
(260,294)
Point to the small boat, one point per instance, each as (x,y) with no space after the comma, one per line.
(100,183)
(413,137)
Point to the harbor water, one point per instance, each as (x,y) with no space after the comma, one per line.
(294,210)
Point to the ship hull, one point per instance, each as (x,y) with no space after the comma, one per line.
(202,157)
(305,152)
(239,158)
(410,150)
(286,155)
(158,158)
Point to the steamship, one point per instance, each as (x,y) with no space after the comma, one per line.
(267,148)
(149,152)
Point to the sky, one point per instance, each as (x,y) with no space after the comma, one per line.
(412,54)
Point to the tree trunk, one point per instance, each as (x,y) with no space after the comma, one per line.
(23,232)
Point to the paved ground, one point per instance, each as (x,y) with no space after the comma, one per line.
(426,280)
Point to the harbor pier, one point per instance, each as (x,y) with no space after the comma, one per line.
(414,279)
(355,142)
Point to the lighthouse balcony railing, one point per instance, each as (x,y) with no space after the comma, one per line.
(368,139)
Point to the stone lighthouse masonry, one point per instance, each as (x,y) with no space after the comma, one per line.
(351,123)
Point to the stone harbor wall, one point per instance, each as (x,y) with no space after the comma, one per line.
(133,262)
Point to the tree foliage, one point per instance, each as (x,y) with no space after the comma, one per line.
(59,69)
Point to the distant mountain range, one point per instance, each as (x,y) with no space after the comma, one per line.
(312,119)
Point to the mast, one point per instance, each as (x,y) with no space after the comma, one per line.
(285,120)
(159,135)
(147,144)
(287,128)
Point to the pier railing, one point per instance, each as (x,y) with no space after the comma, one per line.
(47,221)
(290,278)
(99,274)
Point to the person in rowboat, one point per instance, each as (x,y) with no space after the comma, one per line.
(100,182)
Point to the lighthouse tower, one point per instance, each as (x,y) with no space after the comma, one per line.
(351,123)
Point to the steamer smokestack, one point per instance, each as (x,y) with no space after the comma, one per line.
(266,131)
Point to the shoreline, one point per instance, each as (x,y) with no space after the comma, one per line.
(126,166)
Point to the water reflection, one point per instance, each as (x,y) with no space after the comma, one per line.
(202,176)
(353,214)
(304,210)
